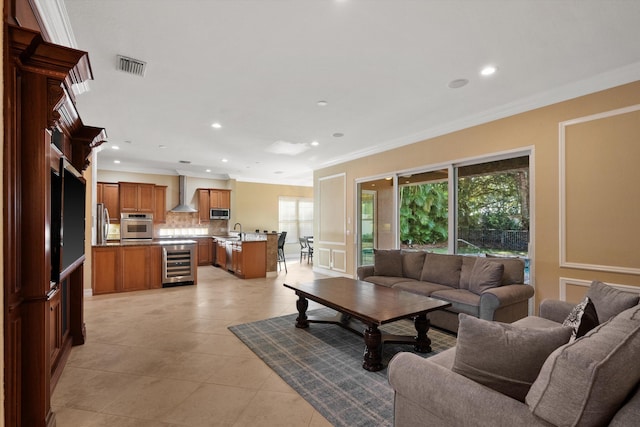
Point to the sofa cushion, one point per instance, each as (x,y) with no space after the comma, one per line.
(468,262)
(513,268)
(417,287)
(412,263)
(485,275)
(388,281)
(462,301)
(442,268)
(581,319)
(585,382)
(502,356)
(387,262)
(610,301)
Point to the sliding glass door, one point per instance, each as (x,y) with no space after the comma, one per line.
(474,208)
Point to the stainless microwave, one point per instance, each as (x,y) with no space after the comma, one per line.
(219,213)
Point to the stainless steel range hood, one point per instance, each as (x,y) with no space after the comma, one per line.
(182,205)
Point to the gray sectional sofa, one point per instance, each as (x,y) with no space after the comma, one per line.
(487,288)
(526,373)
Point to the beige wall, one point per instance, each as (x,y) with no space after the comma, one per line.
(537,130)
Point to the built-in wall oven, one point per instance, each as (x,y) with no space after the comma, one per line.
(136,226)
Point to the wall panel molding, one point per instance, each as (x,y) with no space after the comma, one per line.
(593,233)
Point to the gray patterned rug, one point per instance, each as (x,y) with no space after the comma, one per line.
(324,365)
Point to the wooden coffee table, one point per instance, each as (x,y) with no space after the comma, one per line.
(372,305)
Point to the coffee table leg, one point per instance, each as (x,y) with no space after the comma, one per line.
(302,304)
(373,350)
(423,342)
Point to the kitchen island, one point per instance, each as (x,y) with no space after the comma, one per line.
(244,255)
(135,265)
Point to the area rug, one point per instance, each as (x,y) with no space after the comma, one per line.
(323,363)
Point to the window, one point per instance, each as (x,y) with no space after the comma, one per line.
(295,217)
(488,215)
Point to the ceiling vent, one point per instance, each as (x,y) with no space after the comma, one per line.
(131,66)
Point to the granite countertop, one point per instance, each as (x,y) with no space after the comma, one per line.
(153,242)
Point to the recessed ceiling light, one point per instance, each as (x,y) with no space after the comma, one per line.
(322,103)
(186,162)
(216,125)
(208,170)
(225,160)
(338,135)
(116,161)
(315,143)
(489,70)
(128,142)
(389,178)
(458,83)
(115,147)
(162,146)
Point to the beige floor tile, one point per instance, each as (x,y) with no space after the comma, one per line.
(211,405)
(150,398)
(165,358)
(270,408)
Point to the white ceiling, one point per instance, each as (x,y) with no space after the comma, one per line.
(258,67)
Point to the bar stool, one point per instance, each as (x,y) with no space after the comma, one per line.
(281,240)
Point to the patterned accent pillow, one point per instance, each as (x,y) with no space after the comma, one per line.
(582,319)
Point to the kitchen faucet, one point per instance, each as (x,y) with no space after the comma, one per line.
(234,228)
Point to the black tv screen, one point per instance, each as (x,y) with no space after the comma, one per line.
(73,216)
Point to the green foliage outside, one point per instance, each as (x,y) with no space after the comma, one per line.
(424,214)
(495,201)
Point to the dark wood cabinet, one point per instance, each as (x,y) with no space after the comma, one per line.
(105,272)
(221,253)
(43,314)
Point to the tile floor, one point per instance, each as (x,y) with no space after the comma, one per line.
(166,358)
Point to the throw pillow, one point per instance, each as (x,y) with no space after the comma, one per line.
(443,269)
(412,262)
(584,383)
(581,319)
(387,262)
(610,301)
(502,356)
(485,275)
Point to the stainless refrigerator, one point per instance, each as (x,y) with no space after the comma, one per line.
(102,224)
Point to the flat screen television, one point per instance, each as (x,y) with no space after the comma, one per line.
(68,196)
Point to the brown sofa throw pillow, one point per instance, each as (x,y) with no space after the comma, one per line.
(412,262)
(387,262)
(504,357)
(582,319)
(485,275)
(442,269)
(610,301)
(584,383)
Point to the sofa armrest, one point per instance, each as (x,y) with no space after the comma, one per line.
(364,271)
(434,389)
(503,296)
(555,310)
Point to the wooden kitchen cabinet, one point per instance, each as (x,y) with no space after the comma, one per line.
(137,197)
(219,198)
(160,209)
(105,273)
(109,194)
(203,205)
(155,267)
(212,198)
(126,268)
(251,259)
(204,253)
(221,253)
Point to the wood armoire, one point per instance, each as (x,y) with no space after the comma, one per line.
(43,318)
